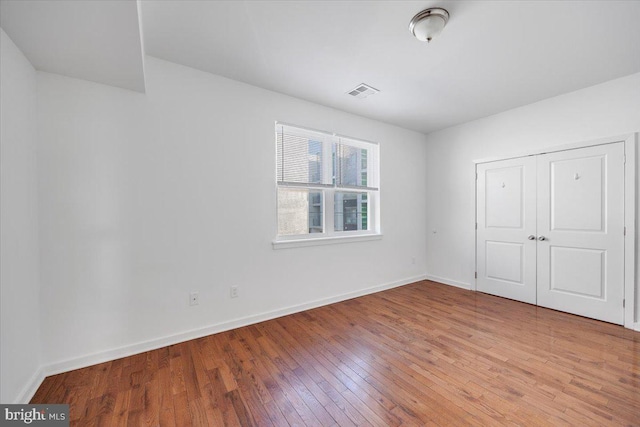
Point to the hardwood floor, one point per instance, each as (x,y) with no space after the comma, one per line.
(422,354)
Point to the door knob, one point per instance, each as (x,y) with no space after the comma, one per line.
(541,238)
(531,237)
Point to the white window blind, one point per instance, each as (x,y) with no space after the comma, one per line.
(301,157)
(354,165)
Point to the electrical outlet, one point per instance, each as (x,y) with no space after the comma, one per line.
(194,298)
(233,292)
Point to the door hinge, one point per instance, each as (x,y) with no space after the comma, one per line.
(624,233)
(476,176)
(623,303)
(476,275)
(624,159)
(476,225)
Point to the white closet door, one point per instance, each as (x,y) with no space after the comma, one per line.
(580,232)
(506,215)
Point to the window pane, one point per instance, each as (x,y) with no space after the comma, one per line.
(299,211)
(351,211)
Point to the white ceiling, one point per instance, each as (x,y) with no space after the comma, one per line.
(91,40)
(492,56)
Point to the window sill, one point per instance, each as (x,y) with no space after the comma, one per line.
(286,244)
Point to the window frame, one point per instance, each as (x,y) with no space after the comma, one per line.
(329,235)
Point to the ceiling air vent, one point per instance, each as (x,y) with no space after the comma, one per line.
(362,91)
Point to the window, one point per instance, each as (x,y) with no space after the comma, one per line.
(326,185)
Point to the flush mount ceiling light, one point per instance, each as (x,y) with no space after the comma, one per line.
(428,23)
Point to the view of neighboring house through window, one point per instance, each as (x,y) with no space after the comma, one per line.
(326,184)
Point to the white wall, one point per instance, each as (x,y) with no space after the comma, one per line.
(144,198)
(608,109)
(19,290)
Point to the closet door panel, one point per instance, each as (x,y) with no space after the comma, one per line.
(580,248)
(506,213)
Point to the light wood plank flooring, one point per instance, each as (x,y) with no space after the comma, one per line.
(422,354)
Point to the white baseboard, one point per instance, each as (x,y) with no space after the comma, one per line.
(116,353)
(31,387)
(636,326)
(450,282)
